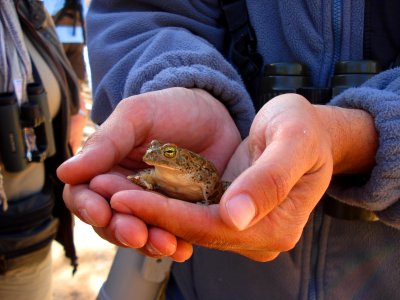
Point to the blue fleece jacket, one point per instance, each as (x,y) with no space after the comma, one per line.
(140,46)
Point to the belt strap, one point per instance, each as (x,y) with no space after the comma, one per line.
(339,210)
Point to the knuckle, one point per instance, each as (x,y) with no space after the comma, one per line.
(281,182)
(277,181)
(270,189)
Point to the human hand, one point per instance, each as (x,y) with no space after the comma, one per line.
(190,118)
(292,151)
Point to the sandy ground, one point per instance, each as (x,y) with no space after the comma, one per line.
(95,258)
(95,255)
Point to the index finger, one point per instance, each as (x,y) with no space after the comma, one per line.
(110,144)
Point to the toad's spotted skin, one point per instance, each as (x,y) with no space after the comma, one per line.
(180,173)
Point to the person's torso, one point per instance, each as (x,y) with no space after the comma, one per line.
(321,33)
(32,178)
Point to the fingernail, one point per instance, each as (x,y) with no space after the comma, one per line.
(84,214)
(152,249)
(241,210)
(120,239)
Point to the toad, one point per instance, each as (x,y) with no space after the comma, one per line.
(179,173)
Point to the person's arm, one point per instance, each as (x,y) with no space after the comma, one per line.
(142,46)
(380,191)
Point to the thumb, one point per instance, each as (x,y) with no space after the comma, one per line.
(264,185)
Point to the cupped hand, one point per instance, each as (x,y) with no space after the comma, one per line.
(285,167)
(193,119)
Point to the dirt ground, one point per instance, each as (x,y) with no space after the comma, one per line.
(95,258)
(95,255)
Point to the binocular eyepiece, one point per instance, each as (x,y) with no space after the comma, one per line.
(26,132)
(281,78)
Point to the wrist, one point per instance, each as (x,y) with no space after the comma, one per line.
(354,139)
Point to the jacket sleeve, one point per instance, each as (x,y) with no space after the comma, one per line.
(141,46)
(380,96)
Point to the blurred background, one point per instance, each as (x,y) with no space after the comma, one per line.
(95,255)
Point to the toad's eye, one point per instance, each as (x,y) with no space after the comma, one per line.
(169,152)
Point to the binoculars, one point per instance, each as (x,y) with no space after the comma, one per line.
(281,78)
(26,131)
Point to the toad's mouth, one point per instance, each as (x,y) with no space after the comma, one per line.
(159,164)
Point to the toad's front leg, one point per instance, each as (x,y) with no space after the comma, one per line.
(144,178)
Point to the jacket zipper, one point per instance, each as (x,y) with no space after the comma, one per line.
(317,224)
(337,7)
